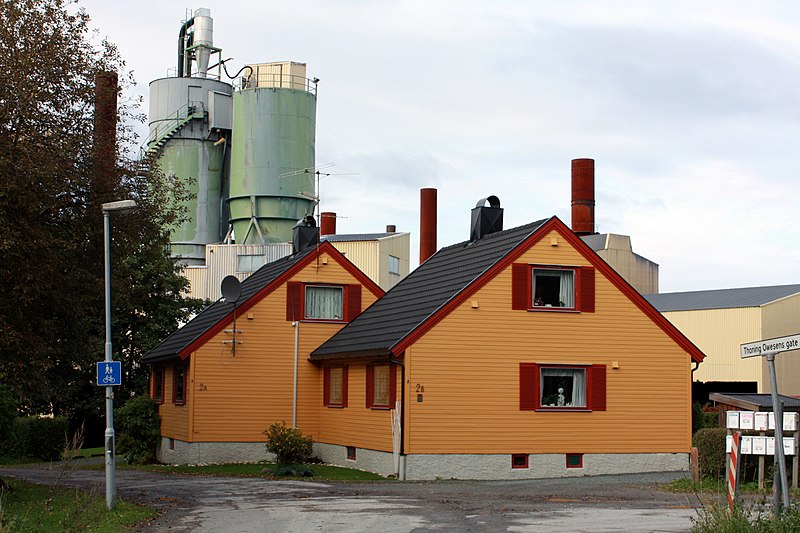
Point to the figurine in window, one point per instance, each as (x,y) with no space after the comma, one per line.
(538,302)
(560,400)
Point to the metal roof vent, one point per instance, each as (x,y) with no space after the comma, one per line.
(486,220)
(305,234)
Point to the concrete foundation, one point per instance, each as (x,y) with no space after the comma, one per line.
(174,451)
(421,467)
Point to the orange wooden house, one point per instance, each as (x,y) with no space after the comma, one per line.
(233,370)
(517,354)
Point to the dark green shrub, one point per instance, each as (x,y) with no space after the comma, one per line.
(710,443)
(139,430)
(8,413)
(288,444)
(39,438)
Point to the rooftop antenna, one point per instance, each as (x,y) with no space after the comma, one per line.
(315,196)
(232,291)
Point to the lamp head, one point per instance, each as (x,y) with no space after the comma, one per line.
(122,205)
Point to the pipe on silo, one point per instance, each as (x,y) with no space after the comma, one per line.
(427,224)
(105,130)
(583,196)
(327,223)
(182,46)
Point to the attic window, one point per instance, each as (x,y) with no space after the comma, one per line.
(324,303)
(553,288)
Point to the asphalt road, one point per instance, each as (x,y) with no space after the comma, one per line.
(630,503)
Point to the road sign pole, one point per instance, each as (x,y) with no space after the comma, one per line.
(779,457)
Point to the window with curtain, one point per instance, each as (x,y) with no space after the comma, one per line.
(553,288)
(324,302)
(336,394)
(562,387)
(380,385)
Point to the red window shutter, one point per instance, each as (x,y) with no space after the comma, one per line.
(597,387)
(326,386)
(586,288)
(521,297)
(392,385)
(370,385)
(344,386)
(352,301)
(294,301)
(528,386)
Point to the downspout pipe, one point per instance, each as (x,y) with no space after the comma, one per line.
(296,325)
(402,409)
(181,45)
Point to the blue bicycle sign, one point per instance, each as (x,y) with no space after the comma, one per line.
(109,373)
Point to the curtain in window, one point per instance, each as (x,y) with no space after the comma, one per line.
(380,385)
(336,386)
(567,293)
(553,377)
(566,288)
(324,302)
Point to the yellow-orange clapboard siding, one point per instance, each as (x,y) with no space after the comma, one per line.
(357,425)
(468,365)
(174,418)
(235,396)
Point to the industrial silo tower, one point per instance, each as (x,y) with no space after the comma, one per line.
(272,153)
(247,154)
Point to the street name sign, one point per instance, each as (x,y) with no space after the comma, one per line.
(109,373)
(780,344)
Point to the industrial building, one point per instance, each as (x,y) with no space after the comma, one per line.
(245,148)
(719,321)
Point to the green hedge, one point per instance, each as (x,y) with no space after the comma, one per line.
(39,438)
(710,443)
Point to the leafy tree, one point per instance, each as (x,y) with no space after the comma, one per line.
(52,184)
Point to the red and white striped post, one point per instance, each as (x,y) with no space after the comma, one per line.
(733,470)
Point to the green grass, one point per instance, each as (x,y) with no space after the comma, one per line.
(321,472)
(92,452)
(711,485)
(31,507)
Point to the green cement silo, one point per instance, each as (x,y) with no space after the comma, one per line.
(272,153)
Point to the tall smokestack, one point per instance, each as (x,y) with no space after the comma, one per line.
(104,149)
(327,223)
(583,196)
(427,224)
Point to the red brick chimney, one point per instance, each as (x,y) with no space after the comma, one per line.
(583,196)
(427,224)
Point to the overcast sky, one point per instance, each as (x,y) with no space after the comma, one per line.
(691,111)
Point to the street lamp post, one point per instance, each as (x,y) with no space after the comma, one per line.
(111,487)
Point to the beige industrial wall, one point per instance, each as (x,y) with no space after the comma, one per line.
(781,318)
(718,333)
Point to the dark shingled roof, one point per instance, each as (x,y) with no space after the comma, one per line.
(183,337)
(720,298)
(414,299)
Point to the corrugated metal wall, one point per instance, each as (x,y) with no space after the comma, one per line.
(222,260)
(718,333)
(780,318)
